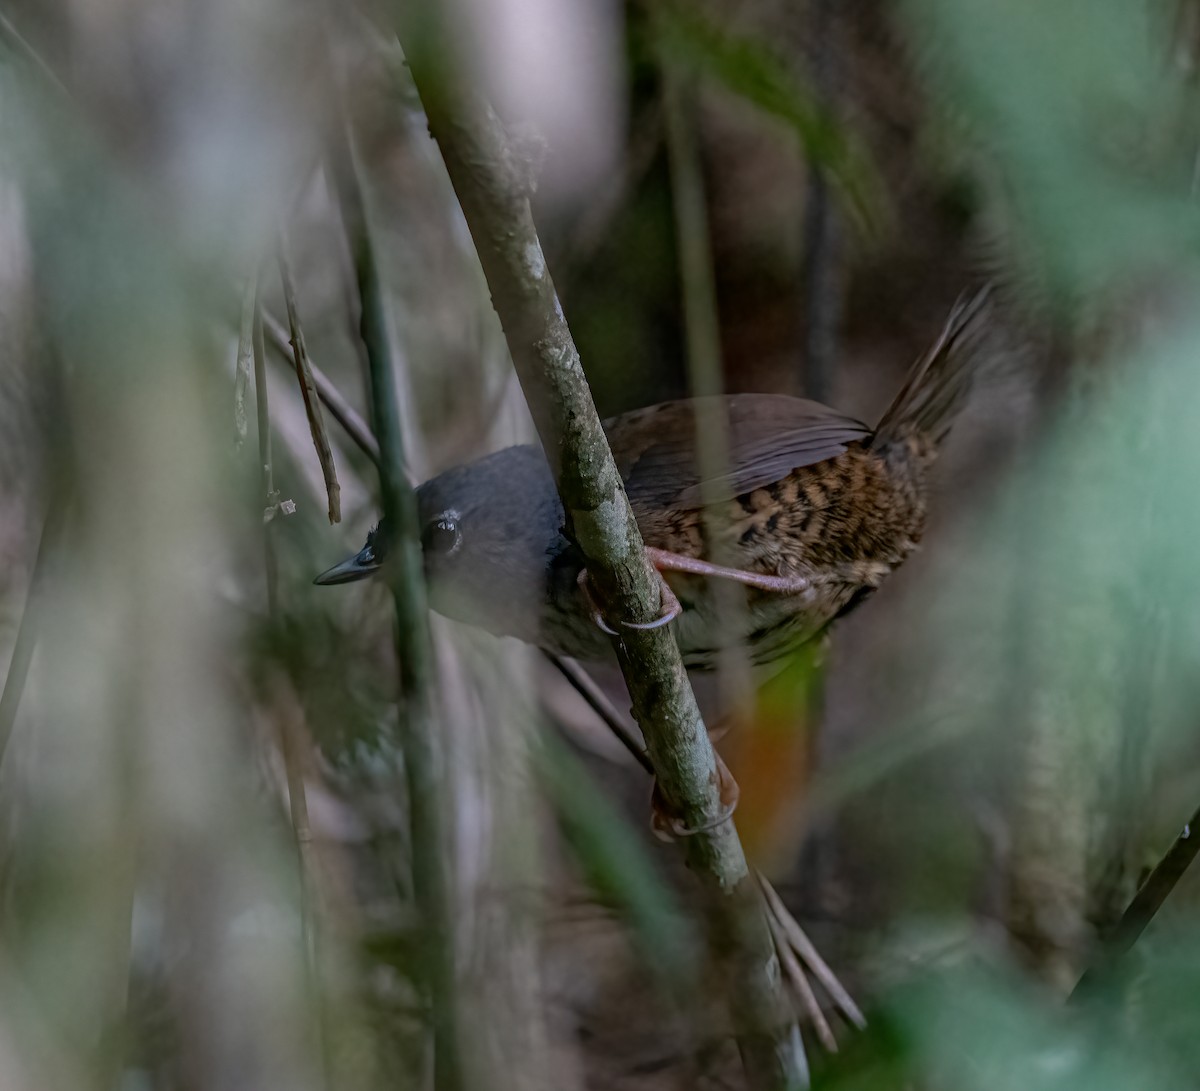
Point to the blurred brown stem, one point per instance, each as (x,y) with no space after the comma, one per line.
(308,389)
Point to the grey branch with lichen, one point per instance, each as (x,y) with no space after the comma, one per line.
(493,185)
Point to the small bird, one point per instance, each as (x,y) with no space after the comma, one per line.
(814,510)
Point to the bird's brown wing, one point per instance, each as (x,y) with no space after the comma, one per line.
(769,436)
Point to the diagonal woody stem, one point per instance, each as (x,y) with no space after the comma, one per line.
(493,186)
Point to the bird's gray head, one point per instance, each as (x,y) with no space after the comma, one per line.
(492,541)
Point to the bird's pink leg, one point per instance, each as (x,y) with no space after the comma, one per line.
(667,826)
(666,561)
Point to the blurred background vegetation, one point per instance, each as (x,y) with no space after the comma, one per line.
(205,854)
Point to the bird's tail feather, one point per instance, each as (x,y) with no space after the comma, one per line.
(940,380)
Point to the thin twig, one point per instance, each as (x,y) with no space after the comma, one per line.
(699,295)
(794,973)
(27,630)
(420,738)
(340,409)
(602,707)
(1142,909)
(308,388)
(493,188)
(810,956)
(245,357)
(17,42)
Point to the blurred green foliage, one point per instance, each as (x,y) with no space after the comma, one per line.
(1061,612)
(1085,117)
(750,70)
(617,866)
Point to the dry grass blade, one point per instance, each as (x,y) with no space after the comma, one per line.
(802,945)
(308,388)
(796,977)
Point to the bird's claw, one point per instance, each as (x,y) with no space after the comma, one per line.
(670,608)
(669,827)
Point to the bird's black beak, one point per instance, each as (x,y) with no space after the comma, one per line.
(358,567)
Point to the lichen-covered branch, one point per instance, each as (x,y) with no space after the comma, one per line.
(493,186)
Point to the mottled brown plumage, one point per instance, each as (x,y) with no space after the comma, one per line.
(810,499)
(842,524)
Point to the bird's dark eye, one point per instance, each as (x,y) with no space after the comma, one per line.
(441,536)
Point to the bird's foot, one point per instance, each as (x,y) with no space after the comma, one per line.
(667,826)
(666,561)
(668,606)
(798,958)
